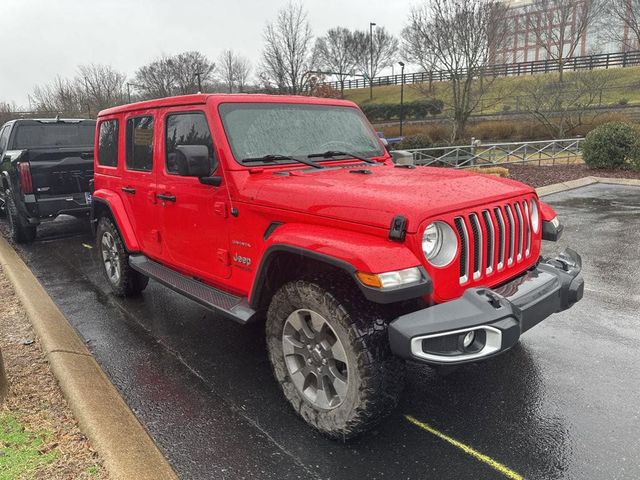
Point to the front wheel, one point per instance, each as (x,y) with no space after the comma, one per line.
(123,279)
(329,350)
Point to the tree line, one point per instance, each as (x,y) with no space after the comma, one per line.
(458,36)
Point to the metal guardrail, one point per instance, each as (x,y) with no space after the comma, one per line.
(547,152)
(587,62)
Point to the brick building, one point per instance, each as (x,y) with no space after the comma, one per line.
(606,35)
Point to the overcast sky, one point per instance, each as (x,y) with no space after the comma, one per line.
(43,38)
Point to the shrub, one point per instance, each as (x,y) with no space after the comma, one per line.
(376,112)
(415,141)
(623,101)
(612,145)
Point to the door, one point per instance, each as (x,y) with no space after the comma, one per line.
(138,186)
(193,215)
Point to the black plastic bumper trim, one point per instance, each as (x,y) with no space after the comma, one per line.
(553,286)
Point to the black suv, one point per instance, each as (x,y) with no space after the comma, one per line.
(46,167)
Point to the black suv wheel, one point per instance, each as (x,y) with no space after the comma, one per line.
(19,229)
(123,279)
(329,350)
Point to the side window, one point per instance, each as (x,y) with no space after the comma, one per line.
(187,129)
(140,144)
(108,143)
(4,138)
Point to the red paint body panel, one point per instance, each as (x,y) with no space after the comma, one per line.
(547,213)
(331,211)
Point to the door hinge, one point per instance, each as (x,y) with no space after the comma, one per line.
(223,256)
(156,235)
(221,209)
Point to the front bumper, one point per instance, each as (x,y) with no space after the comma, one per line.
(486,322)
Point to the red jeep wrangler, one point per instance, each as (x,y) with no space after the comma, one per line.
(291,209)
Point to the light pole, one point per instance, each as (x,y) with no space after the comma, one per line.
(371,25)
(401,95)
(129,85)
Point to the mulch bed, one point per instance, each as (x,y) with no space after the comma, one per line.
(541,176)
(36,401)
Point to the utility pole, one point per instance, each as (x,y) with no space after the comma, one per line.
(371,25)
(401,95)
(198,75)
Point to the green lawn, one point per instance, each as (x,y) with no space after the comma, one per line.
(624,85)
(20,454)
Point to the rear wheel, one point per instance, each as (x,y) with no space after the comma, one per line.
(329,351)
(19,229)
(123,279)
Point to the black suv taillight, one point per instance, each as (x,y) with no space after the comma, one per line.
(26,184)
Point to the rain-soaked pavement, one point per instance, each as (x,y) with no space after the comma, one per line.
(562,404)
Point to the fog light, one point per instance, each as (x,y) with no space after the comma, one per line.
(468,339)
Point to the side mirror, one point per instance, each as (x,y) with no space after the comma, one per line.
(193,161)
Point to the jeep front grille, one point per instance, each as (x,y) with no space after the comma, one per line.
(492,239)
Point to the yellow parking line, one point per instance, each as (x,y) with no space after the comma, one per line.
(507,472)
(86,245)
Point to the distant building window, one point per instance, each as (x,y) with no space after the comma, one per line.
(140,144)
(108,144)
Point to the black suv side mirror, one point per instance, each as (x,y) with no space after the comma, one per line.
(193,161)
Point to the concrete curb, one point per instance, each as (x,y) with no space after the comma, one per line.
(125,446)
(583,182)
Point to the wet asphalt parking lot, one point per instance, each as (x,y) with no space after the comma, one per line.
(563,404)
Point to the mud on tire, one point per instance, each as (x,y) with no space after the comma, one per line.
(123,279)
(375,376)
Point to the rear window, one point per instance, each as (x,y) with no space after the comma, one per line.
(140,144)
(108,143)
(54,135)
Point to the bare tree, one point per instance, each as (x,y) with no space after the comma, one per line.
(179,74)
(287,55)
(155,80)
(626,13)
(560,26)
(234,71)
(60,96)
(381,49)
(101,86)
(461,37)
(562,107)
(191,71)
(415,51)
(334,53)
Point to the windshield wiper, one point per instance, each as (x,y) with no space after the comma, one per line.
(337,153)
(275,158)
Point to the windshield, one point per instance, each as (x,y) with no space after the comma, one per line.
(54,135)
(256,130)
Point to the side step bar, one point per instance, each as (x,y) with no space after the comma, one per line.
(236,308)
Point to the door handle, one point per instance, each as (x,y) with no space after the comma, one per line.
(167,197)
(130,190)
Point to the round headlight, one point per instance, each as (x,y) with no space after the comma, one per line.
(535,216)
(439,244)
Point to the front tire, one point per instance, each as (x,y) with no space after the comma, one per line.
(123,279)
(19,230)
(330,353)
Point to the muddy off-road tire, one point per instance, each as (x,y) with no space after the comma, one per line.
(123,279)
(19,230)
(329,351)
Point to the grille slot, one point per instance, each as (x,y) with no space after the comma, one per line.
(512,235)
(527,222)
(477,245)
(502,236)
(464,249)
(521,228)
(490,253)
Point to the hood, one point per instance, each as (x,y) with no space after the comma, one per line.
(377,197)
